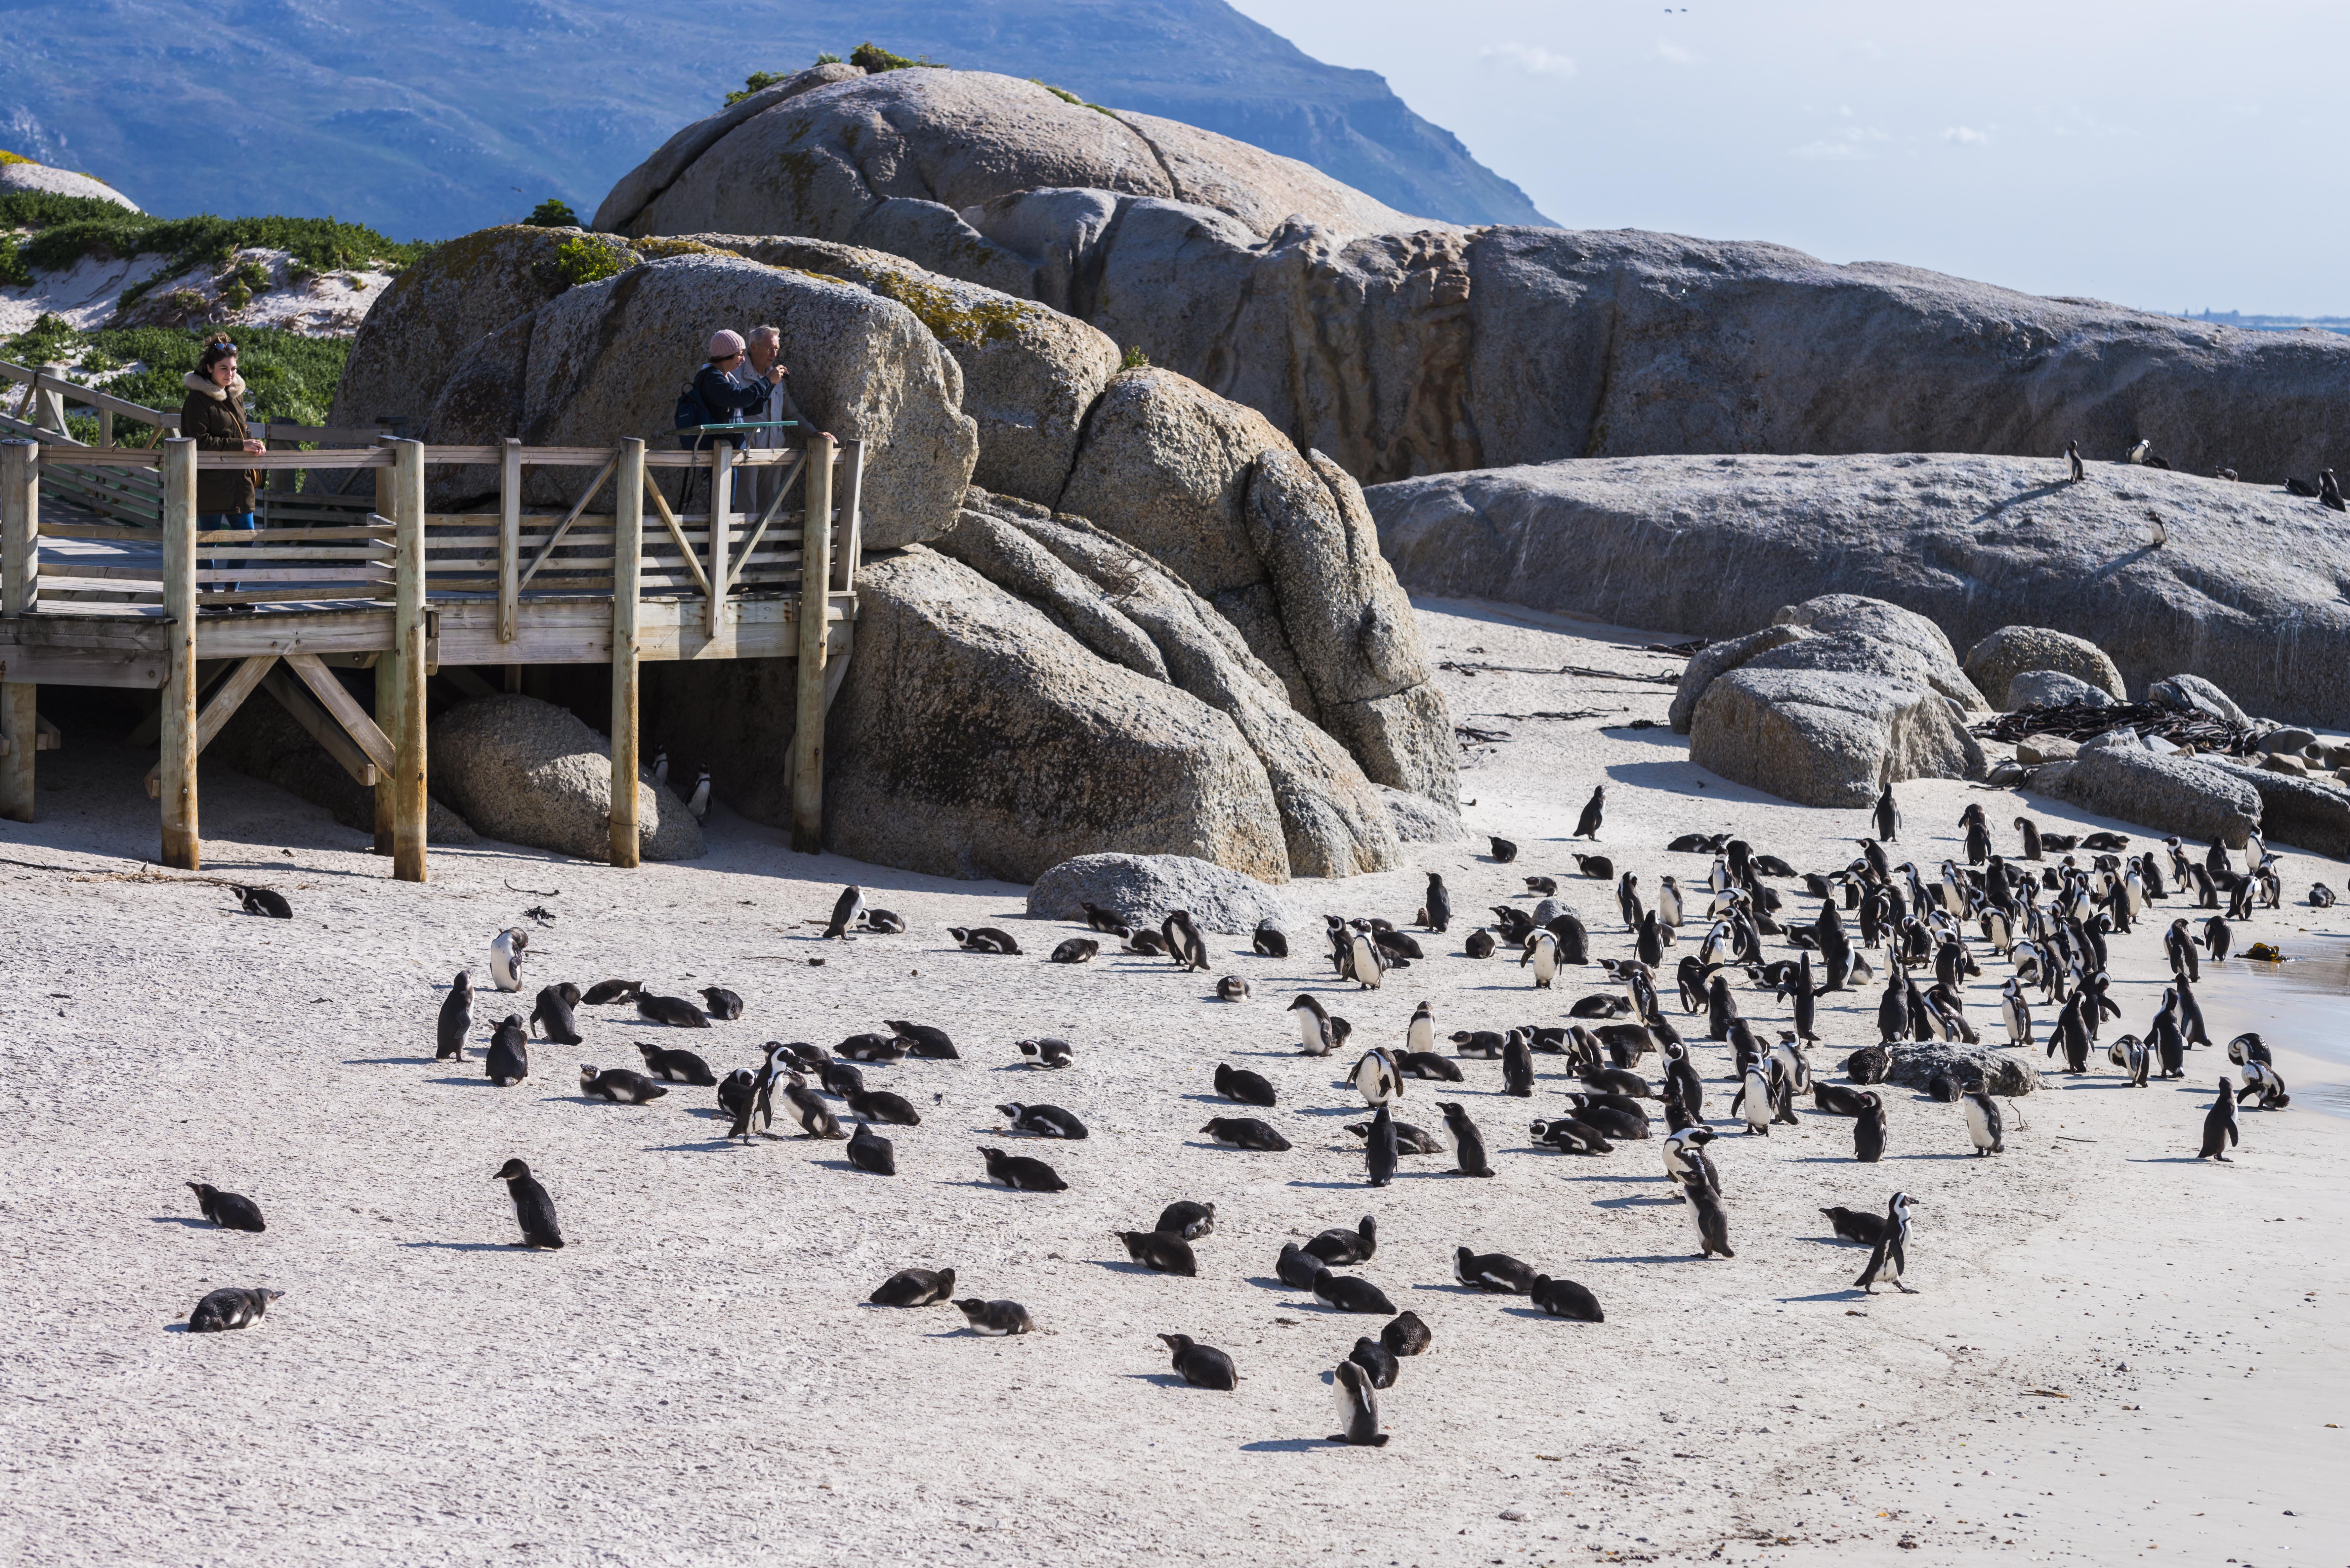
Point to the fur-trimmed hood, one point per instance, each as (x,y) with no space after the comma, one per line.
(197,382)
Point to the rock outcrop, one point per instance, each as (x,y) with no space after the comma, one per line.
(2296,811)
(1405,348)
(530,773)
(1850,695)
(2170,794)
(2053,688)
(2245,591)
(2194,694)
(1146,887)
(905,151)
(974,737)
(18,174)
(1037,685)
(2005,1074)
(2011,650)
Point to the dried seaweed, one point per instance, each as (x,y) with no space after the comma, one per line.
(2086,720)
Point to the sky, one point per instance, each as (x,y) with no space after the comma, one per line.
(2158,155)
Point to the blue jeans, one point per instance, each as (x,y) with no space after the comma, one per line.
(217,522)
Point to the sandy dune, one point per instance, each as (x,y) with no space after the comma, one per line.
(2116,1351)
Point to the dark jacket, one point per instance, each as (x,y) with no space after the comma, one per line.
(214,417)
(728,399)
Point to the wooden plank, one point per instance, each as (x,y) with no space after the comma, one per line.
(90,397)
(532,456)
(578,506)
(315,462)
(225,700)
(411,804)
(293,696)
(176,778)
(808,733)
(676,531)
(20,529)
(722,528)
(118,670)
(509,536)
(386,687)
(466,681)
(848,555)
(766,518)
(628,538)
(336,700)
(19,728)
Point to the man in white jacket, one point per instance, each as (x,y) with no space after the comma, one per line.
(756,486)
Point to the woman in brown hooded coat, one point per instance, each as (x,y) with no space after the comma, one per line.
(214,415)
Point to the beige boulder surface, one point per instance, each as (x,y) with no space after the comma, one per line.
(823,160)
(530,773)
(2012,650)
(2168,794)
(262,741)
(1827,738)
(2242,592)
(1029,373)
(974,737)
(862,367)
(416,332)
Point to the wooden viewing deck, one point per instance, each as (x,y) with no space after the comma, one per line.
(376,581)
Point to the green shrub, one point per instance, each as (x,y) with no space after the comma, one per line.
(8,157)
(188,242)
(553,214)
(828,58)
(13,270)
(874,57)
(587,260)
(46,209)
(1136,360)
(754,82)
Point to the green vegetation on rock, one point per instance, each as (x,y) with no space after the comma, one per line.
(876,58)
(588,260)
(755,82)
(553,214)
(1136,360)
(949,321)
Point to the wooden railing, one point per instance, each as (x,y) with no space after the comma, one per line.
(512,555)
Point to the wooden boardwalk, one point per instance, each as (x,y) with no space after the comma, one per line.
(352,571)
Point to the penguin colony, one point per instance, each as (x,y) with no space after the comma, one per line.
(2048,923)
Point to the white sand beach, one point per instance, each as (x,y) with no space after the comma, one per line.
(2117,1352)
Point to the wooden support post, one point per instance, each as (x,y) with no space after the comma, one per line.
(106,427)
(851,503)
(176,781)
(387,687)
(628,568)
(721,522)
(292,696)
(510,540)
(20,527)
(815,597)
(219,707)
(409,801)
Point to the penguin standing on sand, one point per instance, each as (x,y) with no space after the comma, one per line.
(1184,944)
(1313,1025)
(1983,1120)
(1439,904)
(699,802)
(457,1019)
(1711,1219)
(2073,456)
(509,1059)
(1890,1260)
(1542,954)
(2220,1124)
(1379,1149)
(507,951)
(2016,1014)
(845,910)
(1468,1144)
(1888,817)
(1594,811)
(533,1207)
(1366,962)
(1358,1408)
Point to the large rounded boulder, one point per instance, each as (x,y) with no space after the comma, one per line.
(530,773)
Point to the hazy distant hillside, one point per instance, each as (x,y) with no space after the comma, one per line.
(428,118)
